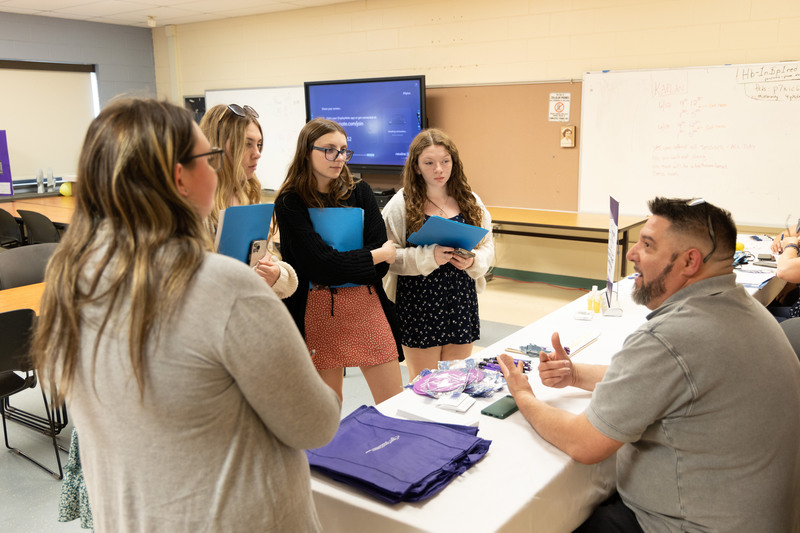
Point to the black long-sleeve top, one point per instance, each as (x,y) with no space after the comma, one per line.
(315,261)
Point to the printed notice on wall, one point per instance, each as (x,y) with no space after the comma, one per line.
(559,107)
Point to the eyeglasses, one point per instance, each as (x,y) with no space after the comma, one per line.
(700,201)
(214,158)
(243,111)
(331,154)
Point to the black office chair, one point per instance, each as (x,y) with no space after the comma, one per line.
(24,265)
(15,330)
(791,327)
(38,227)
(10,233)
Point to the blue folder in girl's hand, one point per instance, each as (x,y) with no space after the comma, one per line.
(342,228)
(240,225)
(445,232)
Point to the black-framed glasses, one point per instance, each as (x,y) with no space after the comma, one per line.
(331,154)
(700,201)
(214,158)
(243,111)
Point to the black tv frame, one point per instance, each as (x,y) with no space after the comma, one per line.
(367,168)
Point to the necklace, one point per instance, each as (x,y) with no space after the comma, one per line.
(441,211)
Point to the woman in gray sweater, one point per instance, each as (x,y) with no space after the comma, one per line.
(190,385)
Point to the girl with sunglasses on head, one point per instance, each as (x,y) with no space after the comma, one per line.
(436,289)
(343,326)
(236,130)
(190,418)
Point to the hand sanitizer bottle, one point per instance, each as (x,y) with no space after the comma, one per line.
(595,299)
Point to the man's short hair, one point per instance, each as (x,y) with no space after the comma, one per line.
(699,219)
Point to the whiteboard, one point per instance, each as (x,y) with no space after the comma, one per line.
(727,133)
(46,114)
(282,114)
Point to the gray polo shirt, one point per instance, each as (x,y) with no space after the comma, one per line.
(706,394)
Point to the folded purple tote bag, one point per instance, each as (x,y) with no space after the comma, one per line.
(397,460)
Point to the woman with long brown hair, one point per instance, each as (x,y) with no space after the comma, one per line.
(436,289)
(236,130)
(190,417)
(344,326)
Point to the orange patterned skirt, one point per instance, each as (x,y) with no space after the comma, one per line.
(346,326)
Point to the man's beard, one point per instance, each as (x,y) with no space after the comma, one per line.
(644,293)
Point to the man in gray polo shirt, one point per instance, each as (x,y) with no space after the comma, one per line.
(702,404)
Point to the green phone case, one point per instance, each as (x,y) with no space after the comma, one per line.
(502,408)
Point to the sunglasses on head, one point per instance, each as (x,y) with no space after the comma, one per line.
(243,111)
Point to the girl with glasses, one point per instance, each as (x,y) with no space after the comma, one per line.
(190,418)
(436,289)
(344,326)
(236,130)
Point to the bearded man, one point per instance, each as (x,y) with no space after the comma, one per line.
(701,405)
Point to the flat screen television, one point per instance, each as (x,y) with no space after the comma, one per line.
(380,115)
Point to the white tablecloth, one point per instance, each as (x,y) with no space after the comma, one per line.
(523,483)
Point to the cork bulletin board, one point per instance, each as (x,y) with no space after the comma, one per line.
(511,149)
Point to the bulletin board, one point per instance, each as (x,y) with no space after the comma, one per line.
(510,147)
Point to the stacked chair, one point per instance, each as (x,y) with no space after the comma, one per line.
(24,265)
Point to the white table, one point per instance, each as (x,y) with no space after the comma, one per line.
(523,483)
(760,281)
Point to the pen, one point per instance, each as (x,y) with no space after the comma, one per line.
(582,347)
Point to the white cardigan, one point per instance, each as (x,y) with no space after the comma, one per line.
(419,260)
(286,283)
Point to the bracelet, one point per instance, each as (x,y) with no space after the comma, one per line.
(796,248)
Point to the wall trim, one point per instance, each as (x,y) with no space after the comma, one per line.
(46,65)
(552,279)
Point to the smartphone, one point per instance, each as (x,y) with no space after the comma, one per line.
(463,253)
(502,408)
(258,249)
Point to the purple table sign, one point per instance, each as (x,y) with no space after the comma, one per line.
(6,187)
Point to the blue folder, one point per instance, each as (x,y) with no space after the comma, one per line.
(342,228)
(446,232)
(240,225)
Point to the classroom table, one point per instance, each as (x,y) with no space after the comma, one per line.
(566,220)
(24,297)
(57,208)
(761,281)
(523,483)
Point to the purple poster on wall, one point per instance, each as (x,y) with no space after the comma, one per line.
(6,188)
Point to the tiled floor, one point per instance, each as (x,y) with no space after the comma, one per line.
(29,496)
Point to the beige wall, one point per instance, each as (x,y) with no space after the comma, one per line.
(457,42)
(474,41)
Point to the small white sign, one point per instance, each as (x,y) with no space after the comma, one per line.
(559,107)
